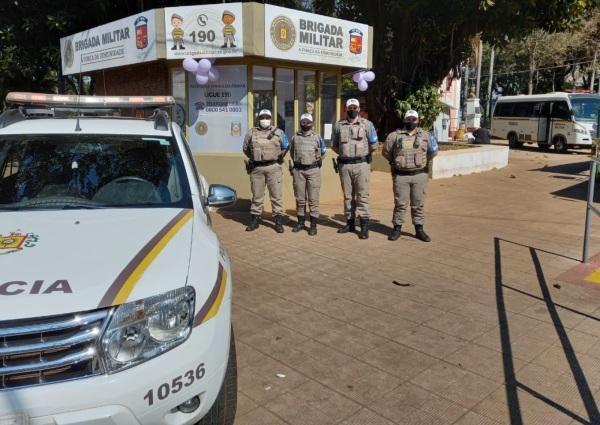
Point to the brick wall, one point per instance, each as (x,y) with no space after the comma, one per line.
(145,79)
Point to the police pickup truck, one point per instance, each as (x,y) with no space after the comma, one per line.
(115,293)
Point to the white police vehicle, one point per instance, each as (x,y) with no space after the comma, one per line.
(115,294)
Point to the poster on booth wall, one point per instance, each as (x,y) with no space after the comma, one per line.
(301,36)
(126,41)
(219,112)
(208,31)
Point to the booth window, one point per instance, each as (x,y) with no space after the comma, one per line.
(262,88)
(307,92)
(178,92)
(328,103)
(284,89)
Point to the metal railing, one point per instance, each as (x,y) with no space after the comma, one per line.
(591,208)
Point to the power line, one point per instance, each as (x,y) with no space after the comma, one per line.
(538,69)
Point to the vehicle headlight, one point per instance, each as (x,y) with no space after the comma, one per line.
(581,131)
(141,330)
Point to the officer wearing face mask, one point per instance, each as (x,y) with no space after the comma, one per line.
(354,139)
(307,150)
(409,152)
(265,146)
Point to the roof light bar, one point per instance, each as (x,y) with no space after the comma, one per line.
(75,101)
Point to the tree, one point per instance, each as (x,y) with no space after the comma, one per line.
(417,43)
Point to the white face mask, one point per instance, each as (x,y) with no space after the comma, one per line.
(265,123)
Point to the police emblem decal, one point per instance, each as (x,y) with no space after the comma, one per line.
(17,241)
(283,33)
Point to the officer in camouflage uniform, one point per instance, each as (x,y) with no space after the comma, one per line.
(265,146)
(409,153)
(307,150)
(353,139)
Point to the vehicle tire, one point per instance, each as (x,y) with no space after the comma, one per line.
(513,141)
(560,144)
(223,410)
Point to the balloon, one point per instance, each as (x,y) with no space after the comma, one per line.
(357,77)
(190,64)
(363,85)
(204,65)
(213,74)
(201,79)
(369,76)
(200,71)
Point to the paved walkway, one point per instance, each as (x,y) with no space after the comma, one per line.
(473,328)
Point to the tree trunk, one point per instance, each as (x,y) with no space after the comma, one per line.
(531,73)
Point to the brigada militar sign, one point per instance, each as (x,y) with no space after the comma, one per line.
(123,42)
(302,36)
(213,30)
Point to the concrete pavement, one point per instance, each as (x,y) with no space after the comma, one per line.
(473,328)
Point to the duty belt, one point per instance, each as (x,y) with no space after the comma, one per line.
(264,163)
(356,160)
(409,172)
(307,167)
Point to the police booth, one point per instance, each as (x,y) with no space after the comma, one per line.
(264,57)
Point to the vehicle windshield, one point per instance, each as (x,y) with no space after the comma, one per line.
(91,171)
(585,108)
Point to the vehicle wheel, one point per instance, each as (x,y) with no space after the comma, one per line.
(513,141)
(223,410)
(560,144)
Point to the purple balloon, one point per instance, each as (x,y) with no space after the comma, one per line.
(357,77)
(363,85)
(204,65)
(369,76)
(201,79)
(213,74)
(190,65)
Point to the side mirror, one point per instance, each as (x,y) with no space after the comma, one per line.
(221,196)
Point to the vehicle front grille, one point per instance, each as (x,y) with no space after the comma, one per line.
(51,349)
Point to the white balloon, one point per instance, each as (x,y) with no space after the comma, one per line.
(190,65)
(213,74)
(363,85)
(357,77)
(369,76)
(204,65)
(201,79)
(204,72)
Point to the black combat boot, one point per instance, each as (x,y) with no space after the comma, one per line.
(395,233)
(254,223)
(420,233)
(279,223)
(364,228)
(300,225)
(313,226)
(349,227)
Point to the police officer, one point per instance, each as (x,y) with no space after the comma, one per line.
(409,153)
(353,139)
(307,150)
(265,146)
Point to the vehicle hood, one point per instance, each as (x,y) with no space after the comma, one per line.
(56,262)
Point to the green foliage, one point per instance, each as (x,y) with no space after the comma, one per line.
(426,101)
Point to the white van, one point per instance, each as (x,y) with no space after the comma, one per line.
(115,293)
(562,120)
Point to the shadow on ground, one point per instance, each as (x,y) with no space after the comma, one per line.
(574,168)
(578,192)
(512,383)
